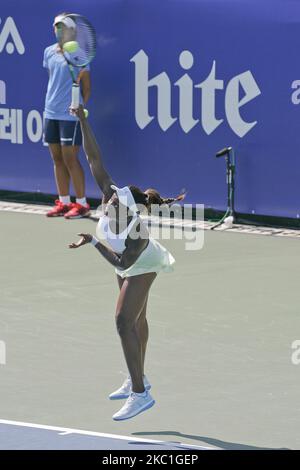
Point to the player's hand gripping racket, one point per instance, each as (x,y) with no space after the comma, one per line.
(77,39)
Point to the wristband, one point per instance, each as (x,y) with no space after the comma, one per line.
(94,241)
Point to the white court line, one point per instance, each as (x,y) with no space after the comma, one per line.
(165,222)
(64,431)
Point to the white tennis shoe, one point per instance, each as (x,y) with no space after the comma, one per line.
(125,390)
(135,404)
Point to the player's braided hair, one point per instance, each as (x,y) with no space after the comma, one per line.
(152,197)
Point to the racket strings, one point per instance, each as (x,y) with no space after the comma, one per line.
(84,34)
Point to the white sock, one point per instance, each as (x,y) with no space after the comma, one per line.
(65,199)
(81,201)
(143,394)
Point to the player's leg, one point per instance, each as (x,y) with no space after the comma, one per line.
(70,157)
(133,296)
(142,328)
(131,302)
(70,136)
(142,332)
(61,173)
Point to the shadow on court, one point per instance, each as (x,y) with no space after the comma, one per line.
(207,440)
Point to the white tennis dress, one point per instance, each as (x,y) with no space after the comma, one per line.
(154,258)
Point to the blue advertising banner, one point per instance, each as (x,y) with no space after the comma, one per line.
(173,82)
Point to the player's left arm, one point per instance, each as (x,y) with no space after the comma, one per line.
(134,248)
(129,256)
(85,84)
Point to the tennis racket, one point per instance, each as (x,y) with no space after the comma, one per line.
(77,39)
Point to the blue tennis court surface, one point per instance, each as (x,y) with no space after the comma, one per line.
(26,436)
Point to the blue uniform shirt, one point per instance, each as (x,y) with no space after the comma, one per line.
(59,91)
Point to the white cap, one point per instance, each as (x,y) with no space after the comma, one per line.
(126,198)
(66,20)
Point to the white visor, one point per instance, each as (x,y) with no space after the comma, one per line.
(66,20)
(126,198)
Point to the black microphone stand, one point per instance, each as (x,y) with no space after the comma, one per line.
(228,153)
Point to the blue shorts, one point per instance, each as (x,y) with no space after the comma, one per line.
(62,132)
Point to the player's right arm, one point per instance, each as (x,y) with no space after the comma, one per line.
(94,157)
(45,59)
(85,82)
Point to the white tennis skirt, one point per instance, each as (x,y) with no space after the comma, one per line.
(153,259)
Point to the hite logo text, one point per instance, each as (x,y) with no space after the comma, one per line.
(243,85)
(10,39)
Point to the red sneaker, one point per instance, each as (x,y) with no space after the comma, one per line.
(59,209)
(76,211)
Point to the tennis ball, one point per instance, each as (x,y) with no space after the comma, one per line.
(86,113)
(70,46)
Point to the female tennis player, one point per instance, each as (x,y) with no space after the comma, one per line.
(61,130)
(125,243)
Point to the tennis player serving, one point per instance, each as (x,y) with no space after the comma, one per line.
(123,240)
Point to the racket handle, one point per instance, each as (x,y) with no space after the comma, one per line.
(75,96)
